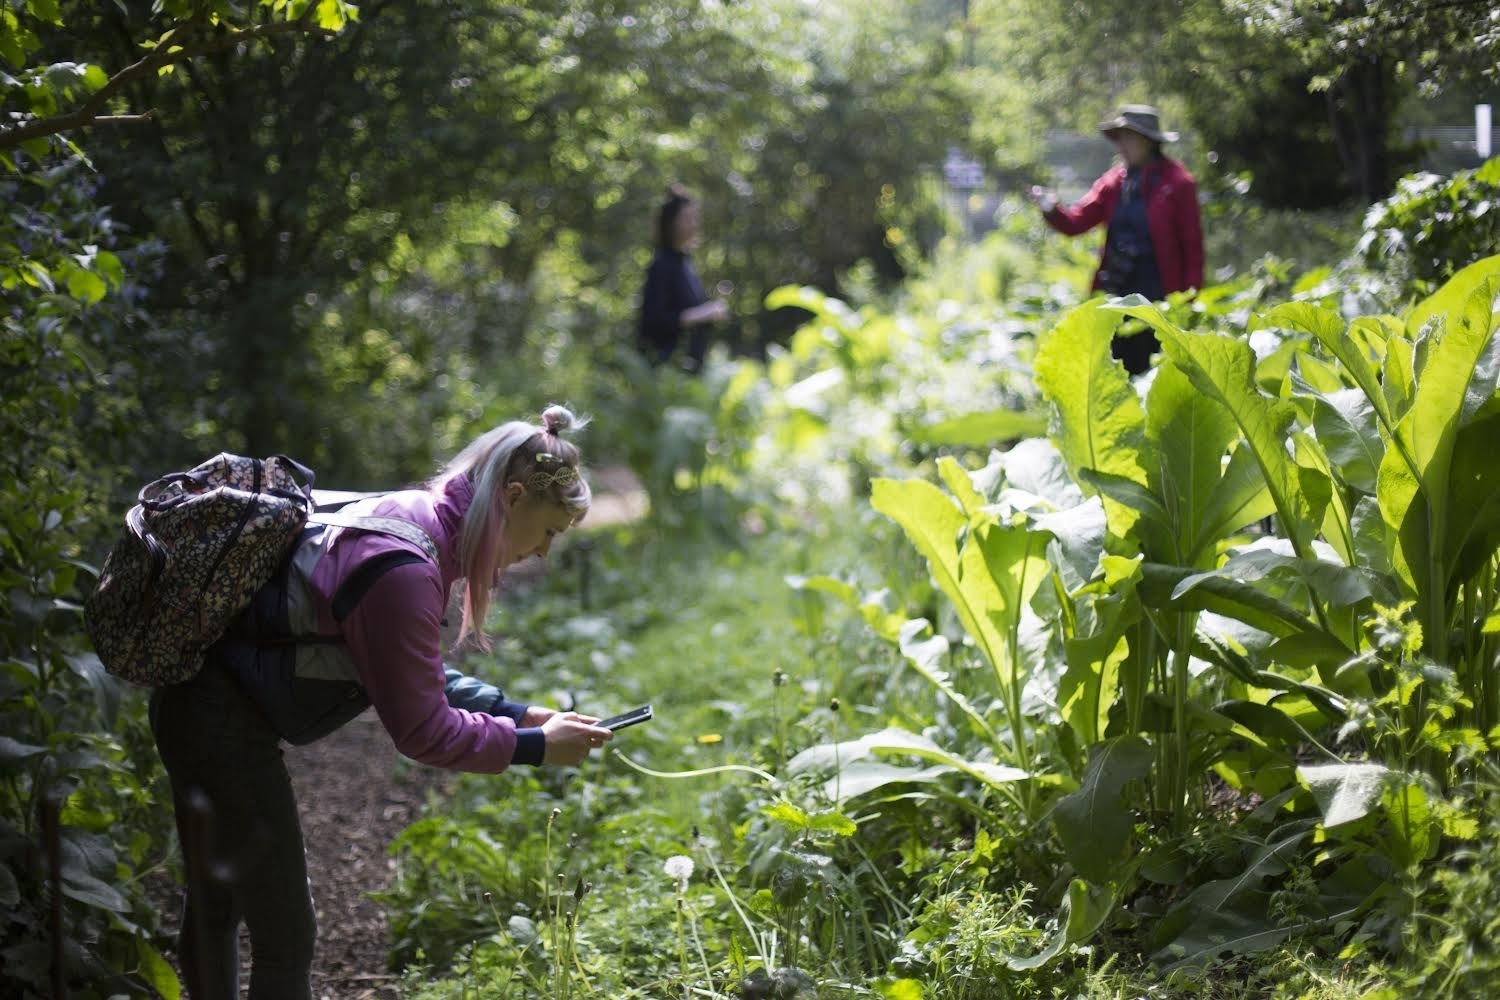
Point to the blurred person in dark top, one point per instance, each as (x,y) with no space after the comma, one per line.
(674,307)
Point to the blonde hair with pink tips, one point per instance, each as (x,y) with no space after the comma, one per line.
(514,452)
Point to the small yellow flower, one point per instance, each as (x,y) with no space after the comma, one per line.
(708,738)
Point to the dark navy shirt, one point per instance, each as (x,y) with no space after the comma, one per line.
(671,287)
(1131,258)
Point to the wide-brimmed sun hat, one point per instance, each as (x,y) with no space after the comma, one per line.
(1142,119)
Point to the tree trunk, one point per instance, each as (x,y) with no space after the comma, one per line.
(1359,109)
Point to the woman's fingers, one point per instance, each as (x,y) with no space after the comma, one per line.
(570,737)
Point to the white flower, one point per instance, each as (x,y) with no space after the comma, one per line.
(679,867)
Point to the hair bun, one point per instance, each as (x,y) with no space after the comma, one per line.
(558,419)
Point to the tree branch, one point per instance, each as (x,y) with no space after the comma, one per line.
(167,53)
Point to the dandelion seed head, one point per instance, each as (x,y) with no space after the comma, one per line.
(679,867)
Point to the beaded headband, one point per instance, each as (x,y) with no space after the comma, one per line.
(540,481)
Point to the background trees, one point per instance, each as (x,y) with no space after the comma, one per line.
(1270,87)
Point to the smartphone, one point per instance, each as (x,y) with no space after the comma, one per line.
(629,718)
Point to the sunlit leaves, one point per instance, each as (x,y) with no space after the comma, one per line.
(55,97)
(861,766)
(933,521)
(1414,479)
(1223,368)
(1099,421)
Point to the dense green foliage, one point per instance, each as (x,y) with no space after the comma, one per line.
(80,815)
(1434,226)
(1200,695)
(1153,691)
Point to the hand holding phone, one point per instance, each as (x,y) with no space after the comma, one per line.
(630,718)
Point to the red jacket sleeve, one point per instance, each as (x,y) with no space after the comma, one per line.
(1190,233)
(1092,209)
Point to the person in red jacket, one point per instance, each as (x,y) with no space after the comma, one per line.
(1149,203)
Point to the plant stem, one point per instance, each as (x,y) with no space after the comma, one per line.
(1180,679)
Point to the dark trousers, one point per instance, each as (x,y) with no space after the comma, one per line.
(697,347)
(241,842)
(1135,351)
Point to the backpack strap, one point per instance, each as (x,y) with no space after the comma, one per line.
(362,579)
(405,530)
(330,500)
(364,576)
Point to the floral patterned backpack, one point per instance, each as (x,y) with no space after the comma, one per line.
(194,551)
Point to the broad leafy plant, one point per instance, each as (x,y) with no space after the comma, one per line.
(1212,584)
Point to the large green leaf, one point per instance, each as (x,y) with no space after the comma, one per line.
(1333,584)
(1180,589)
(1414,827)
(990,579)
(1154,526)
(1268,724)
(1350,345)
(157,971)
(13,751)
(87,889)
(1079,536)
(1239,498)
(1453,298)
(1345,792)
(1015,560)
(1345,425)
(1246,929)
(1420,462)
(1098,419)
(1086,692)
(1037,467)
(897,742)
(1191,432)
(1398,380)
(1474,490)
(932,522)
(864,776)
(1223,654)
(1094,823)
(925,656)
(1223,368)
(961,485)
(980,430)
(1219,895)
